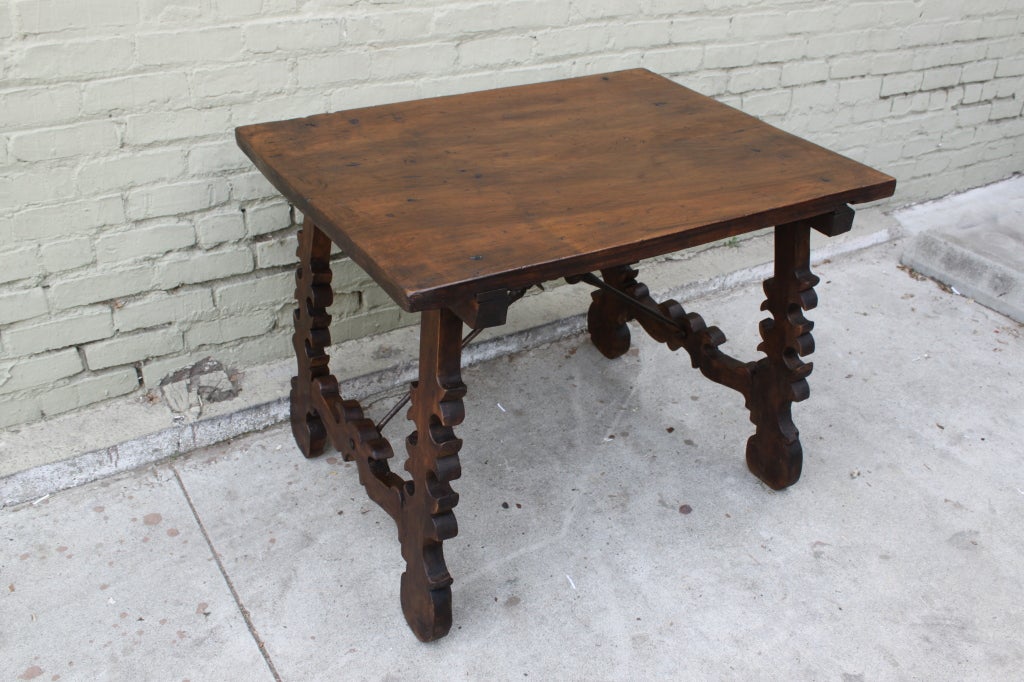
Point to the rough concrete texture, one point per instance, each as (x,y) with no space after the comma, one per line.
(608,526)
(976,246)
(116,581)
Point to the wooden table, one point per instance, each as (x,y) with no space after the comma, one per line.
(457,205)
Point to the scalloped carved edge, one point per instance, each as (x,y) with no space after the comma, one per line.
(769,385)
(313,294)
(779,379)
(688,331)
(422,506)
(433,462)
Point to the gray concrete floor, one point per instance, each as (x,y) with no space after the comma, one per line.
(974,243)
(897,556)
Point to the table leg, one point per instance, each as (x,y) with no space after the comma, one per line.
(421,507)
(427,518)
(770,385)
(608,315)
(313,294)
(780,378)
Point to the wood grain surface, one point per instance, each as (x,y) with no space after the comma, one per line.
(442,199)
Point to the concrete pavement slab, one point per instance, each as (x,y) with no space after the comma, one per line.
(975,246)
(609,529)
(115,581)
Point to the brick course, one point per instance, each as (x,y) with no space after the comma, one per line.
(135,235)
(130,348)
(38,370)
(35,336)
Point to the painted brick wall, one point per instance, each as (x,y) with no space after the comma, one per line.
(135,238)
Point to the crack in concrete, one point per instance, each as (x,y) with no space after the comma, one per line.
(227,579)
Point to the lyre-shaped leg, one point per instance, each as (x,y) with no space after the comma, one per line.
(421,507)
(770,385)
(778,380)
(426,518)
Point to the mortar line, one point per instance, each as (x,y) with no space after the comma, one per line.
(227,579)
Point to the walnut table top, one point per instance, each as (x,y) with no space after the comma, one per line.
(509,187)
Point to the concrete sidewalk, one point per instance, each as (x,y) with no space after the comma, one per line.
(608,527)
(974,243)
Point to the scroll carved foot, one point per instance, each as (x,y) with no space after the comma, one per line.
(313,295)
(778,380)
(426,517)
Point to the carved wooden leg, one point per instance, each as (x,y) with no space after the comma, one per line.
(780,379)
(426,517)
(770,385)
(421,507)
(313,294)
(608,315)
(667,323)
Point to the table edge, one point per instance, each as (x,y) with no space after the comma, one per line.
(426,299)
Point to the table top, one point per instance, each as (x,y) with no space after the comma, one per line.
(445,198)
